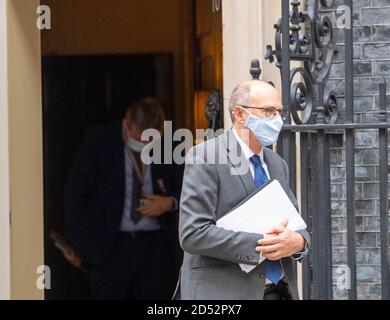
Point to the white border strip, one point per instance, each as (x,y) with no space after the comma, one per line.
(5,252)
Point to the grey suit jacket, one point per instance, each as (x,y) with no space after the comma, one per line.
(212,255)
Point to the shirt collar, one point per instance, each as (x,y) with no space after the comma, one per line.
(245,148)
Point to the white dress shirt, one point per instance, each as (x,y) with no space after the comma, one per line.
(145,223)
(248,153)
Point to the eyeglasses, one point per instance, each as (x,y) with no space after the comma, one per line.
(268,112)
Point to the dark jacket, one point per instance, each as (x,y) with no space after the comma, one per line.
(95,190)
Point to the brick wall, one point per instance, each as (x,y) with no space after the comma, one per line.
(371,20)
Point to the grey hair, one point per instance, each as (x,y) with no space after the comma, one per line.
(240,95)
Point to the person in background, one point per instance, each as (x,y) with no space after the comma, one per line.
(120,214)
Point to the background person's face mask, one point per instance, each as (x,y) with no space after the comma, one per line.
(266,130)
(135,145)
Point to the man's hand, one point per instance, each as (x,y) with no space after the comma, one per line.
(157,205)
(72,257)
(280,242)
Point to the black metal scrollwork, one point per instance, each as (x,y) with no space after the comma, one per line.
(301,96)
(311,41)
(255,71)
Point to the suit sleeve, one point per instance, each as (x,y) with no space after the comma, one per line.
(78,189)
(198,233)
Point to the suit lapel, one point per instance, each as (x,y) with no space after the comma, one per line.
(272,170)
(238,161)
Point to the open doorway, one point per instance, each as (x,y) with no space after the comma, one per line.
(99,57)
(80,92)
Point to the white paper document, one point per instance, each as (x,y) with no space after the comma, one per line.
(260,212)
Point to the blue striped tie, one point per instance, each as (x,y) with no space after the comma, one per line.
(273,268)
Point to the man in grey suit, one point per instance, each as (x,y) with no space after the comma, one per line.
(219,174)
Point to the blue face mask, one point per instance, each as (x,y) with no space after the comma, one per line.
(266,130)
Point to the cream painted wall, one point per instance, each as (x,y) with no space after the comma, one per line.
(242,41)
(5,258)
(247,29)
(25,137)
(119,27)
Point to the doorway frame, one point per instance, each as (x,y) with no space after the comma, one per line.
(24,128)
(5,228)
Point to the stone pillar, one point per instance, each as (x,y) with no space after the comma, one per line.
(242,41)
(25,152)
(247,29)
(5,258)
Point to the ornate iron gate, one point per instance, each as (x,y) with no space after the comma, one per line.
(311,116)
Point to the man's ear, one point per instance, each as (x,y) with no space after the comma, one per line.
(239,115)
